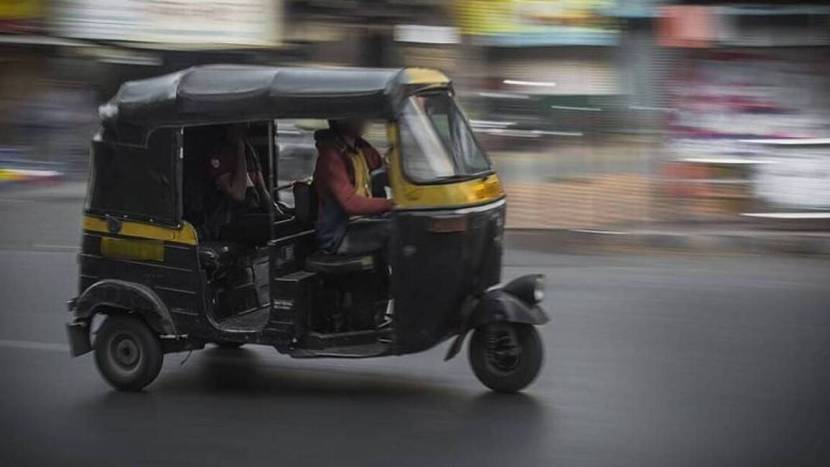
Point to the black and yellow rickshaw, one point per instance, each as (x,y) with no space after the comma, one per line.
(156,285)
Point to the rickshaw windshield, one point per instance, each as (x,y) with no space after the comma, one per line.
(437,144)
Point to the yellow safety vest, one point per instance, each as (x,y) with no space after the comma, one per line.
(362,178)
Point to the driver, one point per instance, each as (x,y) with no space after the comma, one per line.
(342,178)
(240,202)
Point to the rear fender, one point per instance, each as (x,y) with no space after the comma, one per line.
(113,294)
(497,305)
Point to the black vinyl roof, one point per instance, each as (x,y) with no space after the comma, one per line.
(226,93)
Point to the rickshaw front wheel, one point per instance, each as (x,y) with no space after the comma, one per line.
(127,353)
(506,357)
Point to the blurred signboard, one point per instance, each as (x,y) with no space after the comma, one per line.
(420,34)
(516,23)
(183,23)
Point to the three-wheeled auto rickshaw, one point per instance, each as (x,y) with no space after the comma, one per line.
(152,283)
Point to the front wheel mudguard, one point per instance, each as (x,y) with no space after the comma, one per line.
(497,305)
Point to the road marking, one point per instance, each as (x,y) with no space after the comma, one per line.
(603,232)
(47,246)
(32,345)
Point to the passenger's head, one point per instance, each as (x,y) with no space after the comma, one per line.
(352,127)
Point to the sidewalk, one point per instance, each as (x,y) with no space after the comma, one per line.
(705,238)
(585,203)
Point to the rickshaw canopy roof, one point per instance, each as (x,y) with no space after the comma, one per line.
(227,93)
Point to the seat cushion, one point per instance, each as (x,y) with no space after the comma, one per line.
(217,255)
(339,264)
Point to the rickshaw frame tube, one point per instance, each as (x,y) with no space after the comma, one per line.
(497,304)
(118,294)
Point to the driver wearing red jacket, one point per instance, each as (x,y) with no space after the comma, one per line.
(343,181)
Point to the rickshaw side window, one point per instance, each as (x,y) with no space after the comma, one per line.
(138,182)
(297,154)
(437,143)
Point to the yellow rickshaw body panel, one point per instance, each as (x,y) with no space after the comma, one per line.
(409,195)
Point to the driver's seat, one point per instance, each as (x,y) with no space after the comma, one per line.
(305,211)
(305,203)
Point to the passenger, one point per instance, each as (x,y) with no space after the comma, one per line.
(344,187)
(239,205)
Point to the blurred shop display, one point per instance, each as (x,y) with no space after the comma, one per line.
(793,178)
(739,74)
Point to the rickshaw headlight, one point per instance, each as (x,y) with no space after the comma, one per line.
(530,288)
(539,289)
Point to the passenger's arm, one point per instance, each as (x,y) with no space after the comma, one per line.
(335,178)
(234,184)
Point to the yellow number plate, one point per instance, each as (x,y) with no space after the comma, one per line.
(139,250)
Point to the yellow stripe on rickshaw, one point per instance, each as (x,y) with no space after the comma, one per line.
(185,234)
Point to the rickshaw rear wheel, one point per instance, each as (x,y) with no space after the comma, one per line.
(506,357)
(127,353)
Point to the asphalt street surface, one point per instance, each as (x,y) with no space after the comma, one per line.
(651,360)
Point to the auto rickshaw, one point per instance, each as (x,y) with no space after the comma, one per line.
(151,283)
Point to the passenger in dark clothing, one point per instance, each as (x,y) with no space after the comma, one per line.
(240,202)
(343,181)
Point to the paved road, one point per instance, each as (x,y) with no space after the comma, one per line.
(651,361)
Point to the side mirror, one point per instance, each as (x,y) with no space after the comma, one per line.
(380,180)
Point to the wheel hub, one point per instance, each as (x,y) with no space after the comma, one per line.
(125,351)
(503,354)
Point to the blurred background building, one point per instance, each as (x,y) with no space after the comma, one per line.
(598,113)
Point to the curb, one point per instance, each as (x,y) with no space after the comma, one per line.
(748,241)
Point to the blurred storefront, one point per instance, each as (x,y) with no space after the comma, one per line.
(72,55)
(128,39)
(597,112)
(602,113)
(20,62)
(38,104)
(750,100)
(563,95)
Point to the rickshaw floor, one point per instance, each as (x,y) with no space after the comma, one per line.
(250,321)
(376,349)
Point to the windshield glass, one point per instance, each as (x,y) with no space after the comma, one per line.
(436,141)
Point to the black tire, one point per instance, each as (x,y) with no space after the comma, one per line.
(227,345)
(127,353)
(506,357)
